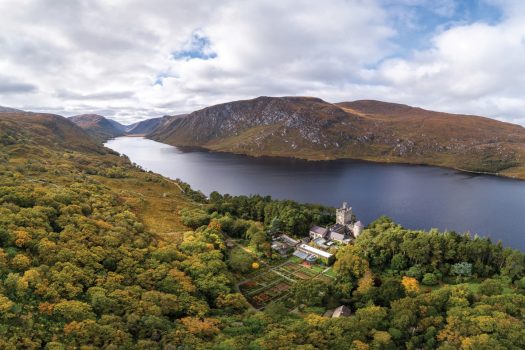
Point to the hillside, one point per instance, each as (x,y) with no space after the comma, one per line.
(149,125)
(99,127)
(9,110)
(311,128)
(143,127)
(45,130)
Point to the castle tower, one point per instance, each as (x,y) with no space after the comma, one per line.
(343,215)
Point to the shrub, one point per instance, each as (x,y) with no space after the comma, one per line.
(429,279)
(415,272)
(491,287)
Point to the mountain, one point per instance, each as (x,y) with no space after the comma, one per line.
(103,129)
(45,130)
(144,126)
(262,126)
(154,125)
(99,127)
(149,125)
(310,128)
(9,110)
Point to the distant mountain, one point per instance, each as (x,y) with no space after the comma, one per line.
(149,125)
(99,127)
(311,128)
(47,130)
(103,129)
(144,126)
(9,110)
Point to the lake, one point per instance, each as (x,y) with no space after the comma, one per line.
(418,197)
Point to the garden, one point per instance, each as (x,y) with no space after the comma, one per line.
(274,283)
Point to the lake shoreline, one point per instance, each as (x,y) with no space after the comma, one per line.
(365,160)
(417,196)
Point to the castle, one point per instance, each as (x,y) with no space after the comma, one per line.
(345,229)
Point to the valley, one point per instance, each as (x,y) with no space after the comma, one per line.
(262,175)
(97,252)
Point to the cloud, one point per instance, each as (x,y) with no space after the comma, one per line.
(7,86)
(96,96)
(135,59)
(476,68)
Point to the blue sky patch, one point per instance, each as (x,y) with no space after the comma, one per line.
(418,21)
(198,47)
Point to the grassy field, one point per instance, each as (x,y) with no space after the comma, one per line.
(157,204)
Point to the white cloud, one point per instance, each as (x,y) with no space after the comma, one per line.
(476,68)
(117,57)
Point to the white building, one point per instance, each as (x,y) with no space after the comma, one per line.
(326,257)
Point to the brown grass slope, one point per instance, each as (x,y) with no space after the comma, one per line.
(310,128)
(45,130)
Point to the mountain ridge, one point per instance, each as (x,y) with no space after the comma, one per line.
(99,127)
(313,129)
(102,128)
(4,109)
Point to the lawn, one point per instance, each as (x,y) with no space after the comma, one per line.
(330,273)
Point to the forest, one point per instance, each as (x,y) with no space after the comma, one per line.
(96,253)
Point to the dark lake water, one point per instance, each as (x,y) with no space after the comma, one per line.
(418,197)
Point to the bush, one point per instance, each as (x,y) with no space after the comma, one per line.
(429,279)
(415,272)
(194,218)
(491,287)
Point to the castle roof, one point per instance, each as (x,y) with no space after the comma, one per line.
(336,236)
(319,230)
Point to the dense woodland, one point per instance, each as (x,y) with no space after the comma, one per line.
(83,265)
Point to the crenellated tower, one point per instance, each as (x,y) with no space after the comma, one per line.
(343,215)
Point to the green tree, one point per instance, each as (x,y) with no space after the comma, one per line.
(309,292)
(239,260)
(429,279)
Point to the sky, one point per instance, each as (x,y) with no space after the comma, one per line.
(131,59)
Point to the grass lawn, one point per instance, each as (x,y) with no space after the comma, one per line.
(295,259)
(318,268)
(331,273)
